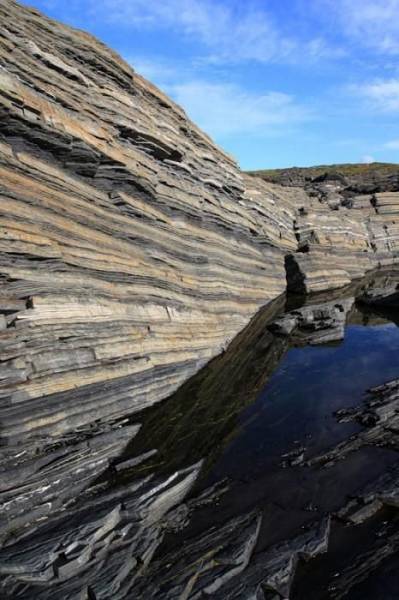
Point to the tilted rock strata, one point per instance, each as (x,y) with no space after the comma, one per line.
(218,565)
(103,535)
(132,248)
(340,243)
(102,548)
(131,252)
(347,225)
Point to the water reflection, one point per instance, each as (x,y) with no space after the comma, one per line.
(212,485)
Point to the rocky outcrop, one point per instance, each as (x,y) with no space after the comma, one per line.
(132,252)
(379,416)
(364,178)
(132,248)
(347,226)
(315,324)
(91,515)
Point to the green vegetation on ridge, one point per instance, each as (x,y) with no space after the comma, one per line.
(345,170)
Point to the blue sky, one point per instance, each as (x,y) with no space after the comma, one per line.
(275,83)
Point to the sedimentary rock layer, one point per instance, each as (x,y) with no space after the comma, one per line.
(131,250)
(341,238)
(347,225)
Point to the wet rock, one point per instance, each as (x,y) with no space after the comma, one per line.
(132,252)
(284,325)
(378,415)
(272,571)
(383,491)
(316,323)
(294,457)
(387,296)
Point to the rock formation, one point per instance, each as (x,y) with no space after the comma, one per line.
(348,225)
(132,251)
(364,178)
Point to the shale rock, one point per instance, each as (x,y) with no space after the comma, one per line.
(347,226)
(132,249)
(132,252)
(315,324)
(379,417)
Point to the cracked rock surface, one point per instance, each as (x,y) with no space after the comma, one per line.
(139,264)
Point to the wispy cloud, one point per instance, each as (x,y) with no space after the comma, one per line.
(371,23)
(158,71)
(382,94)
(226,109)
(229,32)
(223,108)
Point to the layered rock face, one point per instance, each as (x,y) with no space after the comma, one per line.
(132,251)
(348,225)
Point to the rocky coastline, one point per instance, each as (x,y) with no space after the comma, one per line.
(138,263)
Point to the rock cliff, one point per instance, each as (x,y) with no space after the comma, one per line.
(348,225)
(132,251)
(132,248)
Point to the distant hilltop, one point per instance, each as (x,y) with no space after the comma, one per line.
(369,175)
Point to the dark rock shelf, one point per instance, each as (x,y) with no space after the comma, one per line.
(240,485)
(176,338)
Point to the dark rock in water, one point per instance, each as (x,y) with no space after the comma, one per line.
(294,457)
(384,296)
(379,417)
(369,500)
(316,323)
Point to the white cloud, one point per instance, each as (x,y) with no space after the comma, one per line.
(226,109)
(157,71)
(383,94)
(367,159)
(372,23)
(392,145)
(230,32)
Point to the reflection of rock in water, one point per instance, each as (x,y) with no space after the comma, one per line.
(133,250)
(379,415)
(201,416)
(65,528)
(102,513)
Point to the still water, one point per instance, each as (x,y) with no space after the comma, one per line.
(267,399)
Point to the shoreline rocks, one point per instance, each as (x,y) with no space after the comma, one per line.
(133,251)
